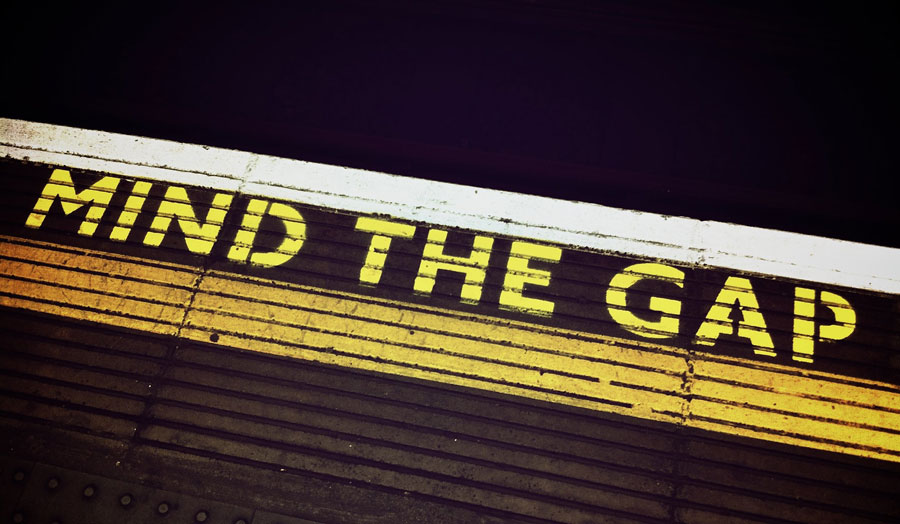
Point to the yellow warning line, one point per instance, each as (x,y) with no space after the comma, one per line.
(649,381)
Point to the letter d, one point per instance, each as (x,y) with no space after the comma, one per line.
(295,234)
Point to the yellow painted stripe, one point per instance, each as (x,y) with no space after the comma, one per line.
(411,343)
(650,381)
(88,285)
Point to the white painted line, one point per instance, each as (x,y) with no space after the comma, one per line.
(578,224)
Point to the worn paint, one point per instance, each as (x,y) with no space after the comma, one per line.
(485,290)
(631,378)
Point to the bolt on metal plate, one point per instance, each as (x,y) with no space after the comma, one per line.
(54,494)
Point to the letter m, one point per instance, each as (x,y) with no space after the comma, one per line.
(60,186)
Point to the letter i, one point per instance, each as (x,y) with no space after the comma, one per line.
(130,212)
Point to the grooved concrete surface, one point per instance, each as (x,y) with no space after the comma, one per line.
(333,445)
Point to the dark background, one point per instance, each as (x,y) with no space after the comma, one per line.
(751,112)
